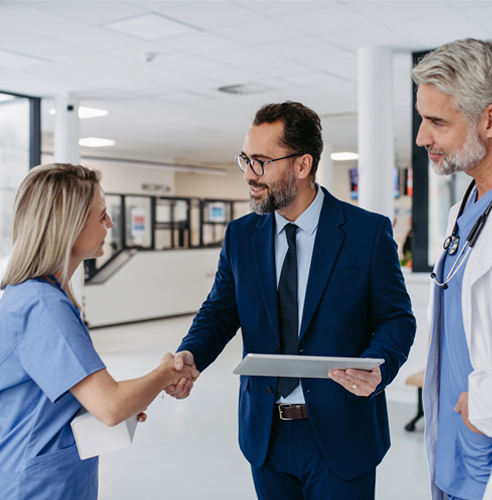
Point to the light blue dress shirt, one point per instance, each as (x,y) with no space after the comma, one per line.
(307,224)
(463,457)
(45,349)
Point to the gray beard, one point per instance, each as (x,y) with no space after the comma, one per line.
(279,195)
(466,158)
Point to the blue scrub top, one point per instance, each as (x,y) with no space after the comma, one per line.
(45,349)
(463,457)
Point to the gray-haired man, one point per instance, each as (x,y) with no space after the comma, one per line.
(454,98)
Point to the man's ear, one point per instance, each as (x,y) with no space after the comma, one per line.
(487,121)
(305,165)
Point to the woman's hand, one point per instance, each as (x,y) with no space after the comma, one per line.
(172,377)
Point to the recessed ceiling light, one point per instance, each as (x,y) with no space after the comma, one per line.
(86,112)
(344,156)
(151,26)
(96,142)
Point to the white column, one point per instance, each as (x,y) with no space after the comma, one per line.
(66,136)
(325,176)
(67,150)
(375,130)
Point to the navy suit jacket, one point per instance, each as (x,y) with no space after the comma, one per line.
(356,305)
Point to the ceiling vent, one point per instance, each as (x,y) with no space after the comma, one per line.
(244,89)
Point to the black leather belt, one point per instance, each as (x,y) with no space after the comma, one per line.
(292,412)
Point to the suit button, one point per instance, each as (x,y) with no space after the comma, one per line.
(270,390)
(277,350)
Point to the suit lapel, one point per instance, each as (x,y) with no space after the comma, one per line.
(264,254)
(329,240)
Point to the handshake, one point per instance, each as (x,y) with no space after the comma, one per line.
(179,373)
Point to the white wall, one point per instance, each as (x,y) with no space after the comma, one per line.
(231,186)
(122,178)
(153,285)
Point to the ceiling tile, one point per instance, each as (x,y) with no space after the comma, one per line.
(34,21)
(452,26)
(63,71)
(151,26)
(274,8)
(94,12)
(145,52)
(153,74)
(383,11)
(481,16)
(260,32)
(11,60)
(372,36)
(211,14)
(99,62)
(311,79)
(202,43)
(300,48)
(246,58)
(184,97)
(35,46)
(95,38)
(335,17)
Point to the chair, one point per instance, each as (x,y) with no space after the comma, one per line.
(417,379)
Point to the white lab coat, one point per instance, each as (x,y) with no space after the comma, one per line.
(476,300)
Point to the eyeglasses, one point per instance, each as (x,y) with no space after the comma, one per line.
(258,166)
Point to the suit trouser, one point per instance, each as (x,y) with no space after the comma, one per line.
(295,469)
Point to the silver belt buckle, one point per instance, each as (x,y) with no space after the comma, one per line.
(280,406)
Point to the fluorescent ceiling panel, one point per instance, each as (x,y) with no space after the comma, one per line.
(344,156)
(151,27)
(96,142)
(85,112)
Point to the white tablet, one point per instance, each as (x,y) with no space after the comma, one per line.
(288,365)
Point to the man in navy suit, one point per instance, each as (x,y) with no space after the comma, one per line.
(311,439)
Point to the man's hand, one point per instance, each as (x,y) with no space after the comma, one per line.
(462,407)
(182,389)
(358,382)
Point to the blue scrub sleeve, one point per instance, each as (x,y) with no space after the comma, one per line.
(55,347)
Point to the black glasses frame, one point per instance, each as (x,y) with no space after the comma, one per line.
(262,163)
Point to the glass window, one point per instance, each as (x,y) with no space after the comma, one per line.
(138,221)
(14,159)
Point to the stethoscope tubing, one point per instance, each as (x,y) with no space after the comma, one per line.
(451,243)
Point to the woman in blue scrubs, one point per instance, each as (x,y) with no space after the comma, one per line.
(48,365)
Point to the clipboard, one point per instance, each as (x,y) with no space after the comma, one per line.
(295,366)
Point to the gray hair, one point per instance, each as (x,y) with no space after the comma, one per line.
(462,69)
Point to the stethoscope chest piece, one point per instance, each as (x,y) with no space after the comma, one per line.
(451,244)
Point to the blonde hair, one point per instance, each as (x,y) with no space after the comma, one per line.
(51,209)
(462,69)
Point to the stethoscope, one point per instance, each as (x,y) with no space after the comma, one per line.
(451,243)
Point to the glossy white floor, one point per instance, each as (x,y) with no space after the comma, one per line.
(188,449)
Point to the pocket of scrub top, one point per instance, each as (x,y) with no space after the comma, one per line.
(59,476)
(49,460)
(340,276)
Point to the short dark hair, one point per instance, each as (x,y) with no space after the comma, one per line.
(302,128)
